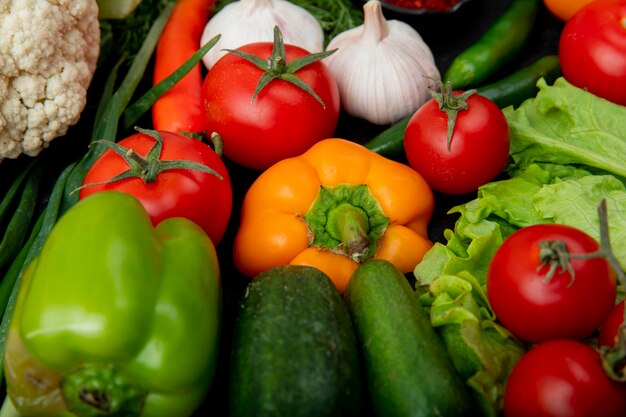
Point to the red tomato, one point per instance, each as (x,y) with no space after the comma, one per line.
(608,331)
(478,150)
(283,120)
(592,49)
(196,195)
(536,309)
(562,378)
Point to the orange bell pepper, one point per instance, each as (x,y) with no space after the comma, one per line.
(331,208)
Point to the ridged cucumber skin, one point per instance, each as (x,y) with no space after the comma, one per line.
(406,366)
(294,348)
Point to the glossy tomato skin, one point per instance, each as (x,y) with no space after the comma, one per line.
(283,120)
(535,309)
(198,196)
(608,331)
(562,378)
(478,151)
(592,49)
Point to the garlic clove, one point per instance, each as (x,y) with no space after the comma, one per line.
(383,68)
(247,21)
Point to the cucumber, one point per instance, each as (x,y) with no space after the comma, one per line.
(406,365)
(294,349)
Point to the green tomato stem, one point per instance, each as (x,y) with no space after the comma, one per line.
(555,253)
(613,359)
(277,67)
(451,105)
(149,167)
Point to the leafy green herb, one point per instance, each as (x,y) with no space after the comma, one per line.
(18,226)
(125,36)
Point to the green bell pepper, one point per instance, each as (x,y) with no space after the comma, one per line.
(116,317)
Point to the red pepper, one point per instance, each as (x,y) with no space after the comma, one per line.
(180,109)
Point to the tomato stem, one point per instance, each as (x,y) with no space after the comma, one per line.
(276,66)
(613,359)
(218,144)
(605,251)
(450,104)
(149,167)
(555,253)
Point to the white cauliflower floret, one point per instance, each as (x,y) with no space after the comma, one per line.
(48,54)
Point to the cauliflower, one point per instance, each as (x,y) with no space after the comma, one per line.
(48,55)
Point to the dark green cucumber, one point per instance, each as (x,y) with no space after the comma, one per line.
(294,349)
(496,47)
(407,368)
(511,90)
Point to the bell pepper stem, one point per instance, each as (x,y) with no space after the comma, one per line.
(349,225)
(101,390)
(346,219)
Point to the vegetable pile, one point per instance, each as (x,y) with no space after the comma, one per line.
(286,207)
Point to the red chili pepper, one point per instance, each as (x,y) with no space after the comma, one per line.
(180,109)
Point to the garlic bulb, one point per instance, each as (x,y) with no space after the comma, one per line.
(247,21)
(383,68)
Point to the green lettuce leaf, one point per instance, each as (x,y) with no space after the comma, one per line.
(574,202)
(482,351)
(568,125)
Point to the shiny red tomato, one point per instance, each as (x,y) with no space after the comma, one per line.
(282,121)
(535,308)
(562,378)
(199,196)
(592,49)
(608,331)
(479,147)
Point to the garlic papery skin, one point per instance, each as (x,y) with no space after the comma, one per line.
(383,68)
(248,21)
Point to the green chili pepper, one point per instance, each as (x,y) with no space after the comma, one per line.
(522,84)
(115,317)
(497,46)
